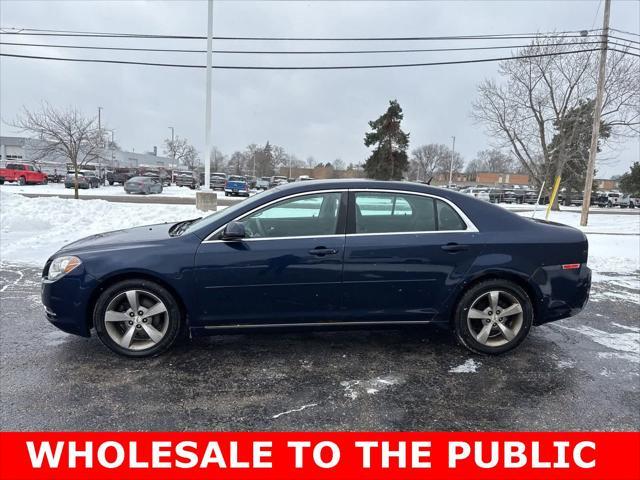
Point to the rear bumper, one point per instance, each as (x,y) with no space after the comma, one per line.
(564,292)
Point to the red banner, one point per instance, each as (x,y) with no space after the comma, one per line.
(319,456)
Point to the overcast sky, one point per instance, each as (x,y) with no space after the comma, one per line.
(323,114)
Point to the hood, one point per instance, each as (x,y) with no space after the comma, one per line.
(137,236)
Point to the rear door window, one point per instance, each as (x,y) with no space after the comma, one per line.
(382,212)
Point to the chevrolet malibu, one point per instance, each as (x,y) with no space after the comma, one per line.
(324,254)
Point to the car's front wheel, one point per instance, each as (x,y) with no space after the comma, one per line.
(137,318)
(493,317)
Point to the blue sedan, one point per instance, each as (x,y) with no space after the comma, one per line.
(323,254)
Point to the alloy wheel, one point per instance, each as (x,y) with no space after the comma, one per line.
(136,319)
(495,318)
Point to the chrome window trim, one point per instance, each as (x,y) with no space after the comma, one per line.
(237,219)
(471,228)
(470,225)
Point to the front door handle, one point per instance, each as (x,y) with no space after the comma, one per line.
(322,251)
(454,247)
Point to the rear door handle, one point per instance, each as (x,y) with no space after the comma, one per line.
(322,251)
(454,247)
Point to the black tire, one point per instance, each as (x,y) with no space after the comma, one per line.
(466,337)
(45,181)
(173,317)
(22,181)
(111,182)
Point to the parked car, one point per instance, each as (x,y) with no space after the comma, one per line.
(263,183)
(144,185)
(86,180)
(251,181)
(278,180)
(236,185)
(503,195)
(480,193)
(572,198)
(304,256)
(218,180)
(629,201)
(186,178)
(608,199)
(121,175)
(23,174)
(303,178)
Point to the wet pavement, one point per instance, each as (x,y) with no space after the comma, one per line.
(581,373)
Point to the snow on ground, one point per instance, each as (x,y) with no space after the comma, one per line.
(108,190)
(31,229)
(614,221)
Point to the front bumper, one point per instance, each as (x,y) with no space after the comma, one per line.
(66,302)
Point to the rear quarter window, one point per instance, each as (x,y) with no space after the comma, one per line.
(448,218)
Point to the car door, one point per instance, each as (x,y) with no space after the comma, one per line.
(288,269)
(404,253)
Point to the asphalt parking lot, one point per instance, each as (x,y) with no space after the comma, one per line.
(578,374)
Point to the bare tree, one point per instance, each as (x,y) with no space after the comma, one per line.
(492,160)
(62,133)
(433,158)
(537,93)
(182,152)
(218,159)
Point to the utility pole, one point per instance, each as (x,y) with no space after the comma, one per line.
(595,131)
(453,154)
(100,144)
(173,147)
(209,99)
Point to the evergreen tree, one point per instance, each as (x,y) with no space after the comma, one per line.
(630,181)
(569,148)
(389,158)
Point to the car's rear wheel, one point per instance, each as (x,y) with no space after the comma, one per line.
(22,181)
(493,317)
(137,318)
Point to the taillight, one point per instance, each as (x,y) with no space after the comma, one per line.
(571,266)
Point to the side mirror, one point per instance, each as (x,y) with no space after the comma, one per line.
(234,231)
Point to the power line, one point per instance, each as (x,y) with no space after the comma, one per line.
(300,52)
(624,39)
(625,32)
(501,36)
(333,67)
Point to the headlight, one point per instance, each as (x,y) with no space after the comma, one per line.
(61,266)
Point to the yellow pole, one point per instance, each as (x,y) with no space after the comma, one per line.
(556,186)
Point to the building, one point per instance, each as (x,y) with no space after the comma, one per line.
(23,149)
(606,184)
(492,178)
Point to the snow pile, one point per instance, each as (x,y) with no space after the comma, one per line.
(31,229)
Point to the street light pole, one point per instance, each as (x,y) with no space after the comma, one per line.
(595,131)
(173,147)
(100,144)
(209,99)
(453,154)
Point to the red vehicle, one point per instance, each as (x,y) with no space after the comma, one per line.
(23,173)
